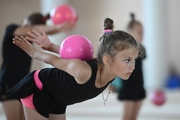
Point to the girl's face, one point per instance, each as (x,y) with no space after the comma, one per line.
(137,32)
(123,63)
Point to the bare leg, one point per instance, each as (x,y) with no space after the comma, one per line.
(13,110)
(131,109)
(127,112)
(32,114)
(57,117)
(137,108)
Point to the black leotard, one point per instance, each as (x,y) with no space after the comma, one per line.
(59,90)
(16,63)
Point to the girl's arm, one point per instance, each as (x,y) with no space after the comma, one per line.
(48,29)
(77,68)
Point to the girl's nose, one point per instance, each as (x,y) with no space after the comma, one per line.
(133,66)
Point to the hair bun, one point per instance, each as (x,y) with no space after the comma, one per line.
(108,24)
(47,16)
(132,16)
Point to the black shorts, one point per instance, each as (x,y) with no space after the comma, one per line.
(131,93)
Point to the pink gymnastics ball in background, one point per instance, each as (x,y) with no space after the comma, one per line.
(63,13)
(158,97)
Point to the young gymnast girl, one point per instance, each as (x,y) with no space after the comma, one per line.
(46,93)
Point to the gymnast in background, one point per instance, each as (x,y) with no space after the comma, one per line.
(16,63)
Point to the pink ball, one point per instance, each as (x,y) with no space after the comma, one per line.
(158,97)
(63,13)
(76,47)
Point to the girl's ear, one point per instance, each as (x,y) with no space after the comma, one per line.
(107,60)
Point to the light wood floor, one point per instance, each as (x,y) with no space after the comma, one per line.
(94,109)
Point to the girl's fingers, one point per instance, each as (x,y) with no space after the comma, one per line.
(42,31)
(17,38)
(21,42)
(14,40)
(17,41)
(32,34)
(36,33)
(23,38)
(30,39)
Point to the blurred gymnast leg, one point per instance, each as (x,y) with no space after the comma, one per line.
(13,110)
(32,114)
(131,109)
(57,117)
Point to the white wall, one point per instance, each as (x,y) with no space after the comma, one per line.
(173,31)
(155,65)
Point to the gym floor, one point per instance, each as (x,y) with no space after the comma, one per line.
(94,109)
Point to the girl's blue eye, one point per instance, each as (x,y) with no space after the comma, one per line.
(127,60)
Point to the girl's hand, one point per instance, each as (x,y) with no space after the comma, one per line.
(24,45)
(66,27)
(39,38)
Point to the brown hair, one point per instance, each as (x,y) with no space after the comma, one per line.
(130,26)
(108,24)
(113,42)
(37,18)
(132,22)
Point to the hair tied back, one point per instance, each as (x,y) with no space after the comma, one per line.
(107,31)
(46,17)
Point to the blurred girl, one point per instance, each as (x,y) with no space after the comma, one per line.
(16,63)
(132,91)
